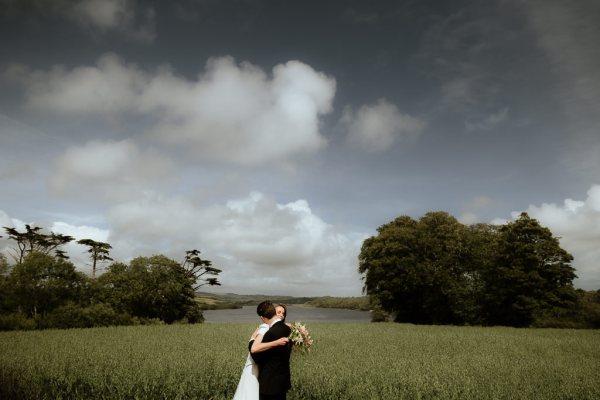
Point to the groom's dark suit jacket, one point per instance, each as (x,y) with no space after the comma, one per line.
(274,364)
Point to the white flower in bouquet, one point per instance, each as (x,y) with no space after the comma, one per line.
(300,337)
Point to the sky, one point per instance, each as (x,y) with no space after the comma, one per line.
(275,136)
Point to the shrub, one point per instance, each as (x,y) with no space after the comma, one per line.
(74,316)
(379,315)
(16,322)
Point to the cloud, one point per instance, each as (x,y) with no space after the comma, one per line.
(568,32)
(460,92)
(112,87)
(103,14)
(480,202)
(472,208)
(463,51)
(488,122)
(77,253)
(262,246)
(376,127)
(110,170)
(577,223)
(97,17)
(237,114)
(232,113)
(81,231)
(121,16)
(7,245)
(468,218)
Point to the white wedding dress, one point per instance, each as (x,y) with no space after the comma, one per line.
(248,386)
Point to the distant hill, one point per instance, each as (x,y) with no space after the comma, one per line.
(215,301)
(350,303)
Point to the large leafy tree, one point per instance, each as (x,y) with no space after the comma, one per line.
(151,287)
(41,283)
(530,274)
(118,287)
(435,270)
(422,271)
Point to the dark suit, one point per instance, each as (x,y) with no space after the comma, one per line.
(274,364)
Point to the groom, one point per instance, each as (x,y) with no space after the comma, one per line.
(273,364)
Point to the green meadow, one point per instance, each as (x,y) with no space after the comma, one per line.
(348,361)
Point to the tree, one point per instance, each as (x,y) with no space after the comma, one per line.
(33,240)
(530,273)
(119,287)
(98,252)
(151,287)
(196,268)
(5,289)
(42,282)
(22,239)
(422,271)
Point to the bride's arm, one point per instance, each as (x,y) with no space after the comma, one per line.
(258,346)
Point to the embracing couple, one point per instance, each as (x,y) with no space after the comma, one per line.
(266,374)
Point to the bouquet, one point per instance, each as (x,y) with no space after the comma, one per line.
(300,338)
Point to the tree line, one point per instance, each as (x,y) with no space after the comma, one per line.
(435,270)
(349,303)
(43,289)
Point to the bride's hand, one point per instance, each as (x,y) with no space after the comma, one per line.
(282,341)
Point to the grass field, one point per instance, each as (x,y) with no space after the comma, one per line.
(349,361)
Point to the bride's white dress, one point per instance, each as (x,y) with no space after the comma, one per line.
(248,386)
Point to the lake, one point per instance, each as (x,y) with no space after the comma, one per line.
(294,313)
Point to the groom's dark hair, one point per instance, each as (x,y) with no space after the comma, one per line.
(266,309)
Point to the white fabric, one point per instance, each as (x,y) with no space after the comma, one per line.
(247,388)
(263,328)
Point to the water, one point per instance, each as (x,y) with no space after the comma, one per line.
(294,313)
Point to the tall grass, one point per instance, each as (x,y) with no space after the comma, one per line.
(348,361)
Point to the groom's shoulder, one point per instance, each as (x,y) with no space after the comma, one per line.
(280,326)
(283,326)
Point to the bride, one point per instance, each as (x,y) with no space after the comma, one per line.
(248,386)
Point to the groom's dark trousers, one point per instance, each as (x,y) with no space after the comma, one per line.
(272,397)
(274,378)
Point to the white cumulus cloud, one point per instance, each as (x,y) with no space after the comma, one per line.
(237,114)
(376,127)
(233,113)
(577,223)
(262,246)
(111,87)
(78,254)
(107,170)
